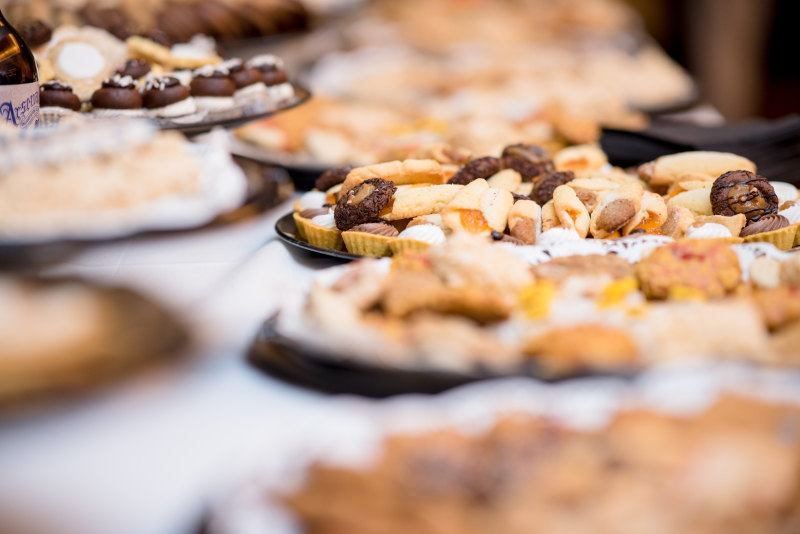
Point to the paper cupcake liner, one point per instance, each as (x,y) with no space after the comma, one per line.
(399,246)
(317,235)
(367,244)
(783,239)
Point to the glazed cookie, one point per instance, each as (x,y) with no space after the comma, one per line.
(743,192)
(363,203)
(477,168)
(530,161)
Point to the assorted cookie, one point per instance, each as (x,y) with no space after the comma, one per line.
(573,194)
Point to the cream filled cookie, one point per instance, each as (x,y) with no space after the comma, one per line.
(58,98)
(166,97)
(117,96)
(212,88)
(273,75)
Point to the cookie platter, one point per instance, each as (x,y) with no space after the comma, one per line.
(125,178)
(501,457)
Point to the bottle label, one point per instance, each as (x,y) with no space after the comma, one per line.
(19,104)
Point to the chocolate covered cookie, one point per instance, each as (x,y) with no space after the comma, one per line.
(363,203)
(35,33)
(54,94)
(477,168)
(212,88)
(166,97)
(332,177)
(530,161)
(743,192)
(271,68)
(767,223)
(543,188)
(135,68)
(117,96)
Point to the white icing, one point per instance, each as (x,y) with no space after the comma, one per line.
(122,81)
(176,109)
(427,233)
(209,70)
(326,221)
(230,64)
(792,214)
(251,93)
(786,192)
(81,60)
(708,231)
(280,92)
(556,235)
(214,103)
(264,60)
(157,82)
(183,76)
(311,200)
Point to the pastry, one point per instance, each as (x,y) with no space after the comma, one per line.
(469,208)
(591,191)
(650,217)
(734,224)
(530,161)
(772,228)
(410,171)
(117,96)
(248,80)
(679,220)
(583,346)
(543,188)
(135,68)
(57,98)
(786,192)
(369,239)
(705,266)
(417,201)
(332,177)
(743,192)
(698,201)
(363,203)
(320,231)
(766,223)
(166,97)
(561,270)
(549,218)
(580,159)
(666,170)
(273,76)
(525,221)
(212,88)
(417,238)
(615,210)
(709,230)
(570,210)
(35,33)
(507,179)
(478,168)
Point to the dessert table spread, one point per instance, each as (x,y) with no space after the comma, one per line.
(150,454)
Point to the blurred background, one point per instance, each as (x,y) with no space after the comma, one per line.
(740,52)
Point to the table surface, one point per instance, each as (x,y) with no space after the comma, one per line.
(148,455)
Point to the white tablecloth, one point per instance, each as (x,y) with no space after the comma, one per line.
(148,455)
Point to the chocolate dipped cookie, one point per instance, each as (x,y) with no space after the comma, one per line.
(54,96)
(212,88)
(117,96)
(743,192)
(166,97)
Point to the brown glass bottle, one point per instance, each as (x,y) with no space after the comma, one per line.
(19,80)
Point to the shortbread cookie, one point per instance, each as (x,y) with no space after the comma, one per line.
(679,219)
(410,171)
(507,179)
(698,201)
(592,190)
(416,201)
(667,169)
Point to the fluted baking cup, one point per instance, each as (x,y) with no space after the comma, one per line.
(367,244)
(317,235)
(783,239)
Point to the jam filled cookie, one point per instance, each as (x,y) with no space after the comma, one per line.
(743,192)
(117,96)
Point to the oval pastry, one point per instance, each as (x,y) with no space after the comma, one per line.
(743,192)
